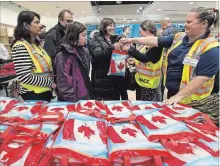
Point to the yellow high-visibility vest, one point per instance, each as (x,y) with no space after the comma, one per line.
(198,48)
(42,62)
(148,74)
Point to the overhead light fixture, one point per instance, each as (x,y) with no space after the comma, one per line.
(124,19)
(191,3)
(159,9)
(118,2)
(141,8)
(138,11)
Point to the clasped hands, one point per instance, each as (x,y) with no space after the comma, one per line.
(123,44)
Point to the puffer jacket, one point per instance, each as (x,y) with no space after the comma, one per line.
(103,87)
(72,79)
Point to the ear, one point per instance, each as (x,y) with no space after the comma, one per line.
(26,25)
(204,24)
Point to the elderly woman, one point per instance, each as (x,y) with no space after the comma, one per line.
(192,59)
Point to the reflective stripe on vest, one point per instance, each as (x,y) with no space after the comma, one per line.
(42,63)
(198,48)
(148,74)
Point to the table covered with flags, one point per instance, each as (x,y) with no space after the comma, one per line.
(105,133)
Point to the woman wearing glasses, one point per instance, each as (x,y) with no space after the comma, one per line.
(31,61)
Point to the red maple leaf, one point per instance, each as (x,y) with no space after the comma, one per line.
(88,132)
(89,104)
(129,131)
(57,109)
(160,119)
(121,66)
(21,108)
(3,101)
(117,108)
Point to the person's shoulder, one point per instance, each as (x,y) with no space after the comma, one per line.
(52,31)
(213,51)
(18,46)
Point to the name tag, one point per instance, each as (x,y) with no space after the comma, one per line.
(194,62)
(186,61)
(191,62)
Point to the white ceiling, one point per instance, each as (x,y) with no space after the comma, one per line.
(176,7)
(85,13)
(52,9)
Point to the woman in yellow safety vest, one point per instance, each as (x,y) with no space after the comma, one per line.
(148,63)
(32,63)
(192,60)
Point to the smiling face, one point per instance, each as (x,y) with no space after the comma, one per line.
(82,38)
(34,27)
(193,26)
(110,29)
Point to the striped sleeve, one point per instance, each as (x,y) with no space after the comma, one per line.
(23,66)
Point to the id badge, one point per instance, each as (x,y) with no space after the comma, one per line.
(194,62)
(186,61)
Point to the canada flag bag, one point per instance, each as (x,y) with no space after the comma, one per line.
(156,125)
(186,153)
(128,146)
(118,111)
(7,103)
(20,112)
(91,107)
(23,144)
(118,63)
(181,112)
(53,112)
(208,135)
(82,140)
(144,105)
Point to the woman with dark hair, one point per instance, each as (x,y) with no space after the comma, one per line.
(101,46)
(72,65)
(192,60)
(148,63)
(32,63)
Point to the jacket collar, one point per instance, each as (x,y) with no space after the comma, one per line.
(186,38)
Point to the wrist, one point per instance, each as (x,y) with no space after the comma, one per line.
(180,95)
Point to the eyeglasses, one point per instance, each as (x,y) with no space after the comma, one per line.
(68,21)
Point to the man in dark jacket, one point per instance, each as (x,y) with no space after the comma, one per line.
(55,34)
(167,27)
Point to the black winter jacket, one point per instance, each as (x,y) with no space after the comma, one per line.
(103,86)
(53,40)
